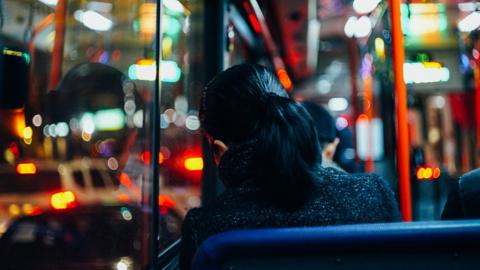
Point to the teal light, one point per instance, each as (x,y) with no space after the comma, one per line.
(109,119)
(169,72)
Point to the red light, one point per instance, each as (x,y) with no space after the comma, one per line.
(362,117)
(252,18)
(166,201)
(63,200)
(436,173)
(26,168)
(145,157)
(193,164)
(284,78)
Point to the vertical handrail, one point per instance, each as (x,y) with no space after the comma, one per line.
(155,146)
(400,89)
(57,54)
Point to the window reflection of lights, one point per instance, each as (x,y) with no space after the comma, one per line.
(87,123)
(171,115)
(174,5)
(112,163)
(192,122)
(37,120)
(427,72)
(324,86)
(163,121)
(181,104)
(52,130)
(361,27)
(180,119)
(341,123)
(337,104)
(61,129)
(93,20)
(365,6)
(138,119)
(439,102)
(470,23)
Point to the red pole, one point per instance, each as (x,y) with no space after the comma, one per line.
(57,55)
(403,146)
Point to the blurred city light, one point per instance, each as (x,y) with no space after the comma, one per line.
(423,18)
(145,70)
(358,27)
(37,120)
(427,72)
(470,23)
(192,122)
(61,129)
(63,200)
(174,5)
(194,164)
(427,173)
(469,6)
(380,48)
(93,20)
(109,120)
(338,104)
(365,6)
(26,168)
(87,123)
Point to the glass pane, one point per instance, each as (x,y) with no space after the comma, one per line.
(83,114)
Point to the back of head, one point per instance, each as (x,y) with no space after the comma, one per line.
(324,122)
(247,103)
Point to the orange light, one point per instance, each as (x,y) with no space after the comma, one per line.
(166,201)
(26,168)
(193,164)
(146,62)
(63,200)
(362,117)
(428,173)
(284,78)
(421,173)
(145,157)
(436,173)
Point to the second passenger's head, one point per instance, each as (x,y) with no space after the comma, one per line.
(258,132)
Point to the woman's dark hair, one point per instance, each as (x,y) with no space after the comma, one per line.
(247,102)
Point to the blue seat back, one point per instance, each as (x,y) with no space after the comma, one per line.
(415,245)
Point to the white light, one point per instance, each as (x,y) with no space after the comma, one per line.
(129,107)
(350,26)
(112,163)
(192,122)
(37,120)
(138,119)
(170,115)
(439,102)
(181,104)
(468,6)
(470,23)
(122,266)
(74,124)
(61,129)
(324,86)
(49,2)
(365,6)
(87,123)
(174,5)
(341,123)
(337,104)
(52,130)
(100,6)
(363,27)
(418,73)
(93,20)
(45,131)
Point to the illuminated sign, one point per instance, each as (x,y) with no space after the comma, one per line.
(426,72)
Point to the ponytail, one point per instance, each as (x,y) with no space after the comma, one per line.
(287,153)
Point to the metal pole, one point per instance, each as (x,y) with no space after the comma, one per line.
(155,146)
(57,54)
(401,111)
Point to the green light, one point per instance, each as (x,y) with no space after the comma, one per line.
(170,25)
(109,119)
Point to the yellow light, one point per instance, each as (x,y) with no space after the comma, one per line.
(146,62)
(27,141)
(421,173)
(380,48)
(18,120)
(194,164)
(14,210)
(86,136)
(62,200)
(27,133)
(435,65)
(27,209)
(428,173)
(26,168)
(167,44)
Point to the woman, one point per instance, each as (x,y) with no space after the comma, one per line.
(268,157)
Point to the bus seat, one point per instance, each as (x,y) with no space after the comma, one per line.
(416,245)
